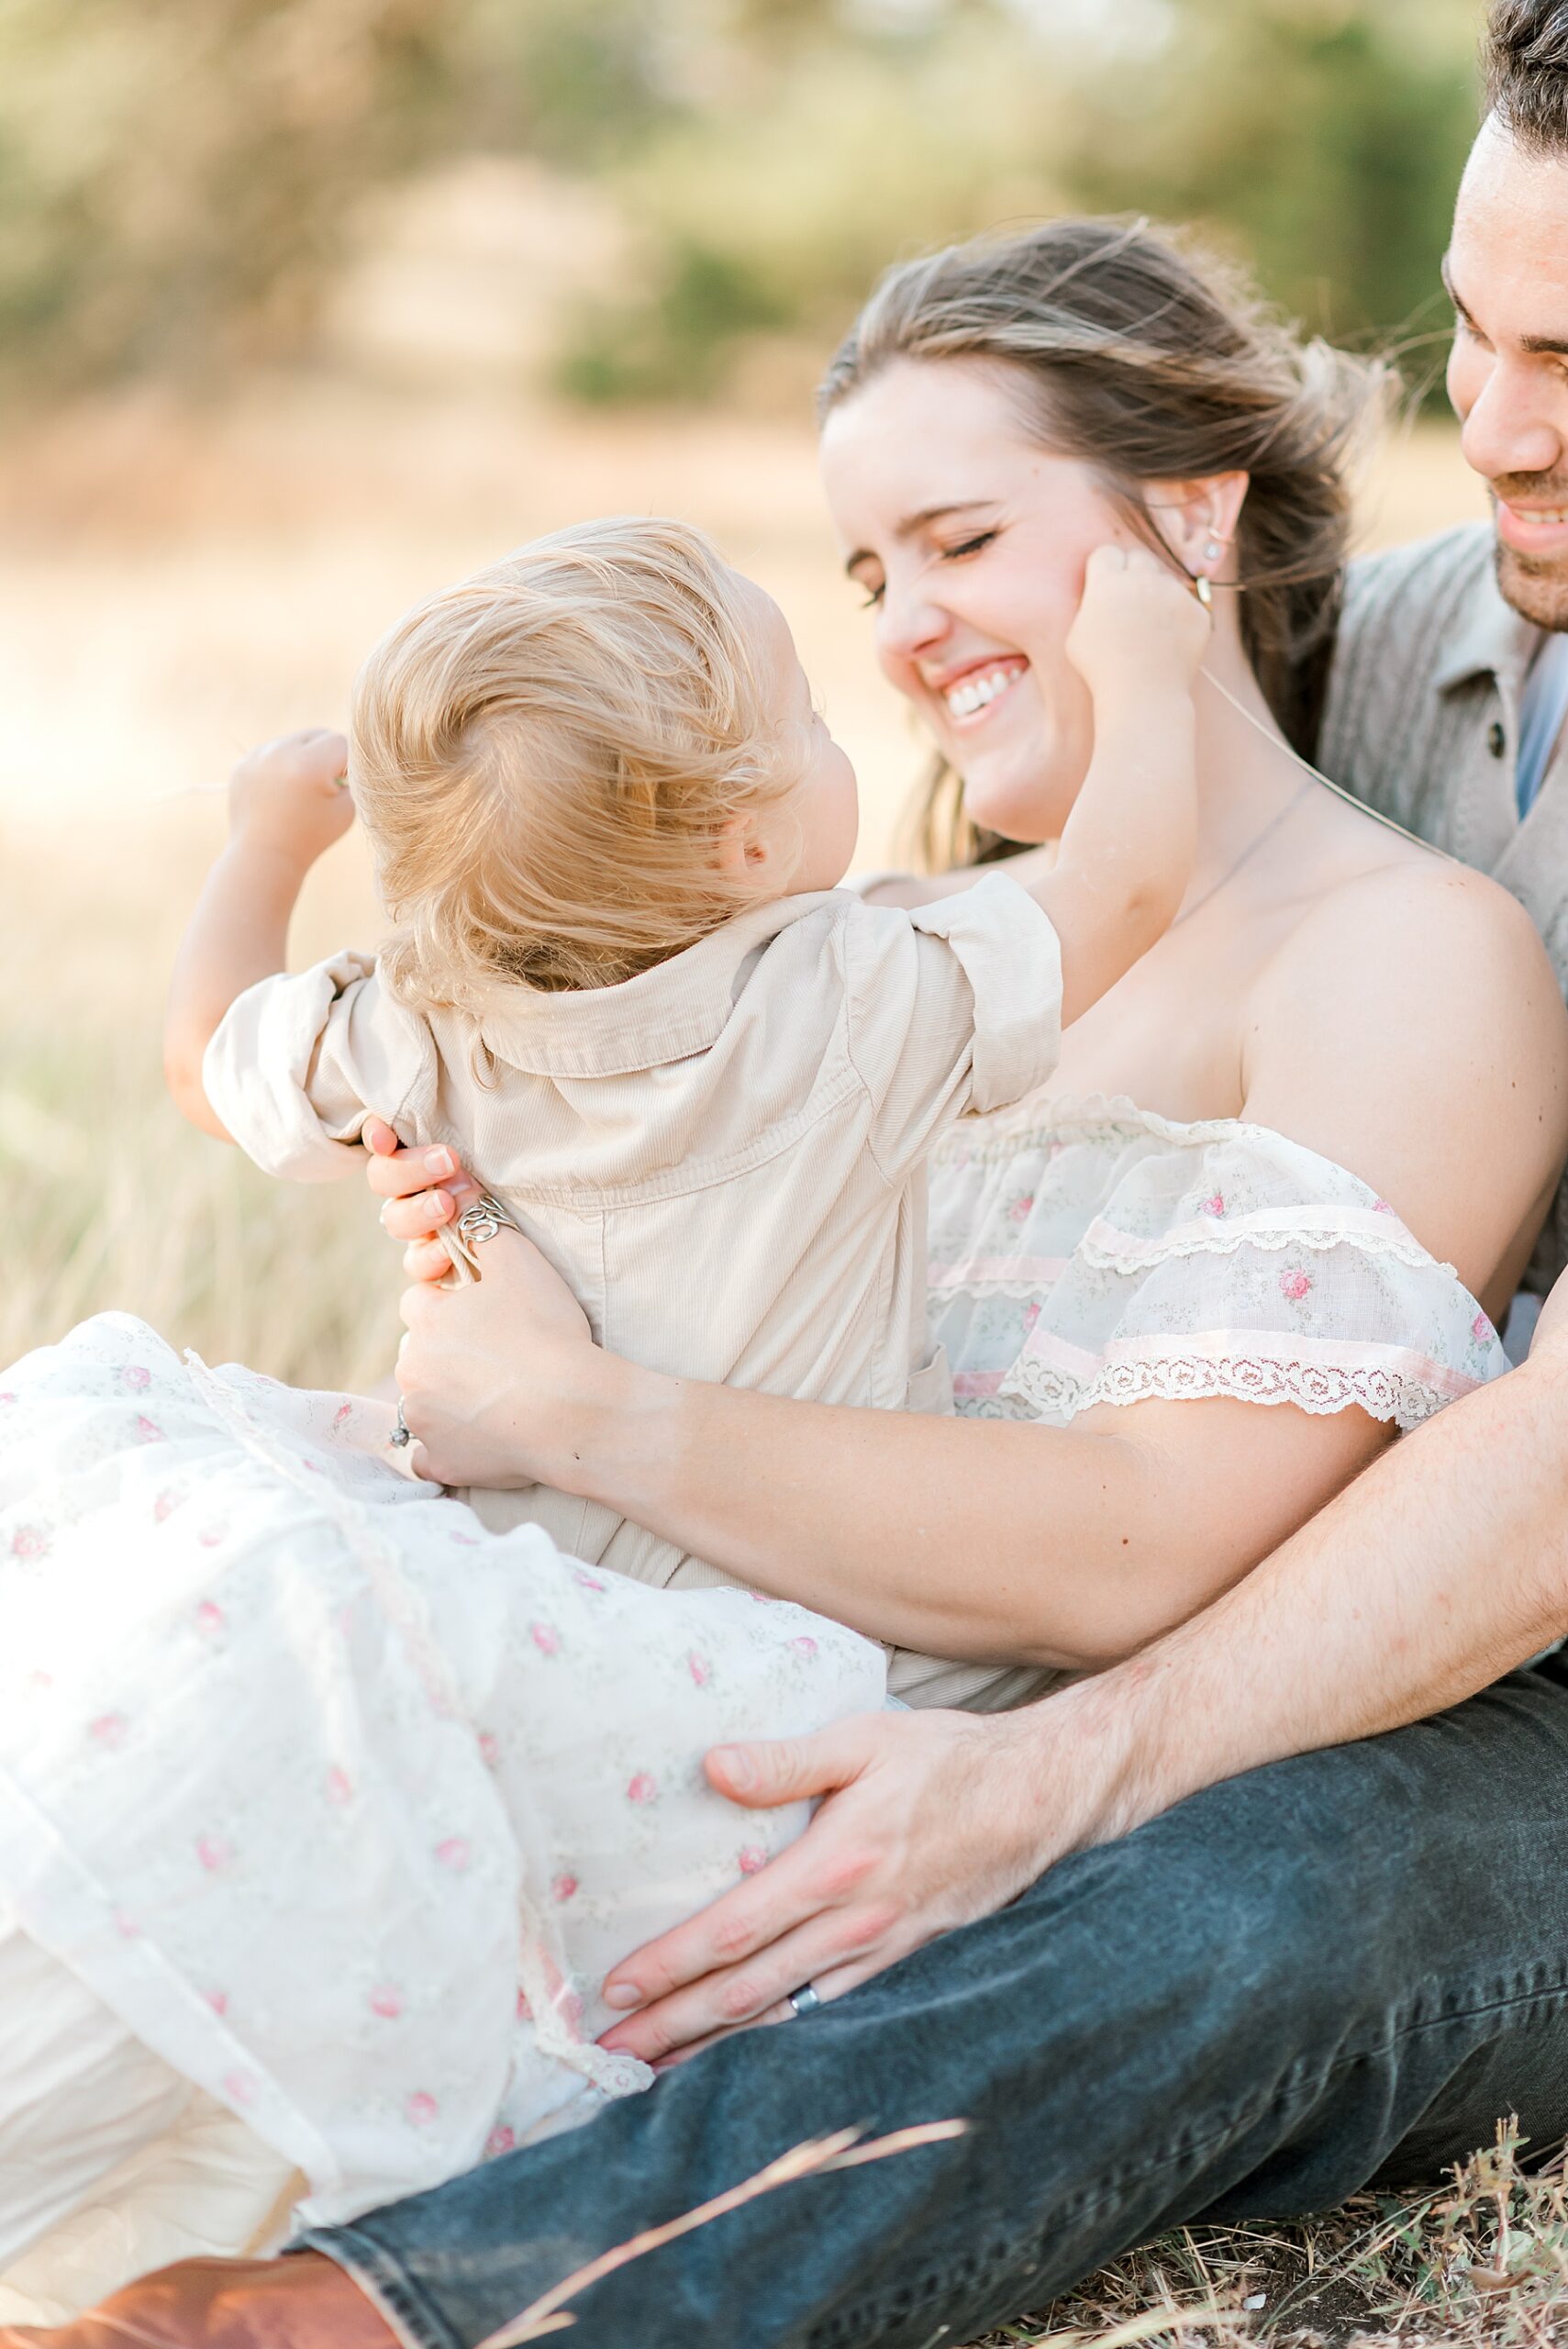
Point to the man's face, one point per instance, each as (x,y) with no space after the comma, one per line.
(1506,272)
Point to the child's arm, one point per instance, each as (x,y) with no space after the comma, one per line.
(1028,866)
(1127,849)
(288,805)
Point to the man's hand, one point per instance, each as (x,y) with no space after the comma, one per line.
(289,795)
(306,2302)
(930,1820)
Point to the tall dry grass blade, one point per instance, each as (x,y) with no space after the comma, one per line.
(813,2159)
(1168,2319)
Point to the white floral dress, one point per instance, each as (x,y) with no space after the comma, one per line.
(1087,1252)
(324,1811)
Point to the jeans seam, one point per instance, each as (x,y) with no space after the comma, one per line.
(1402,2027)
(1296,2087)
(386,2282)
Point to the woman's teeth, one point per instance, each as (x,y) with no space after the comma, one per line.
(972,693)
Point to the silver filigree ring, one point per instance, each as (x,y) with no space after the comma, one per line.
(484,1219)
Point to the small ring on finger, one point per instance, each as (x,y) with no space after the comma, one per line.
(484,1219)
(804,2000)
(401,1434)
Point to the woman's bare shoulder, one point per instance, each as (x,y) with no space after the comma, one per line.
(1421,928)
(1412,1028)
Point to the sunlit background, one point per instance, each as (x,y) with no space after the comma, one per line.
(307,308)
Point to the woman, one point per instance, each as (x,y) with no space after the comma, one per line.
(1263,1214)
(997,412)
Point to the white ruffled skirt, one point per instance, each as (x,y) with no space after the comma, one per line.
(323,1811)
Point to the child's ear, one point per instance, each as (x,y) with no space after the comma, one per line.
(746,849)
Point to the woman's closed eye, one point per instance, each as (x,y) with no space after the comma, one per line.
(955,553)
(965,547)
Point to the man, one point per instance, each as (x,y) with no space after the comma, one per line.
(1236,1989)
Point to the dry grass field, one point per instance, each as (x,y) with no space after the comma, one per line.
(1481,2264)
(176,586)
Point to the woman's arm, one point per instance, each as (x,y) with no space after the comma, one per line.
(1441,1569)
(1091,1541)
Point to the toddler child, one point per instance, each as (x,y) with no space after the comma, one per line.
(624,985)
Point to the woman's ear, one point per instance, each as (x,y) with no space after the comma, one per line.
(1198,519)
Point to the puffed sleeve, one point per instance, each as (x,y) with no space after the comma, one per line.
(953,1007)
(302,1059)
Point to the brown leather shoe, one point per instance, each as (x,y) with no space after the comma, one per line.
(306,2302)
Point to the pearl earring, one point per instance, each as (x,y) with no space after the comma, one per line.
(1212,551)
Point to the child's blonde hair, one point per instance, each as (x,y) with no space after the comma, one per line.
(546,756)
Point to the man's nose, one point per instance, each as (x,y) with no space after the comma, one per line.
(1517,423)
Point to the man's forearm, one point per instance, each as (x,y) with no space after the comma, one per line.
(1442,1567)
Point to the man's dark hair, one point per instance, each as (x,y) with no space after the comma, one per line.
(1526,58)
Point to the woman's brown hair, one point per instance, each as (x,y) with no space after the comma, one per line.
(1150,363)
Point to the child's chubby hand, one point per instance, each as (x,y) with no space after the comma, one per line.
(1139,624)
(289,795)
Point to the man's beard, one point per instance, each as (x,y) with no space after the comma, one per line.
(1536,585)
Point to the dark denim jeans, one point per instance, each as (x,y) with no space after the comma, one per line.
(1341,1968)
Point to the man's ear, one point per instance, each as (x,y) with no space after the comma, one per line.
(1198,519)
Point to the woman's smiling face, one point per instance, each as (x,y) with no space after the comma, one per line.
(970,537)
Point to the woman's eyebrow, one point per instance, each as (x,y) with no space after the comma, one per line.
(912,523)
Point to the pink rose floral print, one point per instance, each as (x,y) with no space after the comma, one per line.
(343,1804)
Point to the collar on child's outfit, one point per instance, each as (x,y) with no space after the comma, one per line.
(666,1014)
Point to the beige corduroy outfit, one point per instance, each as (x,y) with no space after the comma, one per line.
(724,1157)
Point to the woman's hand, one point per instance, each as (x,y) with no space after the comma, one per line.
(491,1374)
(930,1820)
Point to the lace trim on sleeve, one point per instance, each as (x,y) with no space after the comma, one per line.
(1093,1252)
(1321,1377)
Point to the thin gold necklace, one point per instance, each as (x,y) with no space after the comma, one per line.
(1312,775)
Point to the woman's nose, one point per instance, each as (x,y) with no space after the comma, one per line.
(1517,423)
(910,625)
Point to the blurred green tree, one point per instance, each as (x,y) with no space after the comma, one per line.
(170,172)
(178,177)
(1321,138)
